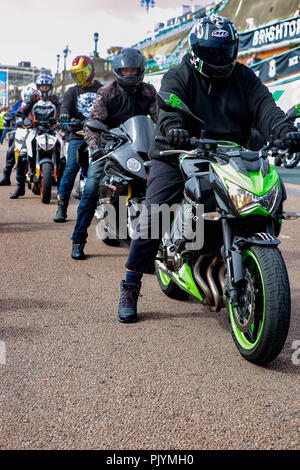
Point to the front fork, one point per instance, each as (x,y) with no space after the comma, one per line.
(232,255)
(234,264)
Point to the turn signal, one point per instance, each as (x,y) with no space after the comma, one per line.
(290,215)
(212,216)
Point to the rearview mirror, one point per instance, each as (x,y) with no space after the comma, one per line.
(171,102)
(294,112)
(96,126)
(291,114)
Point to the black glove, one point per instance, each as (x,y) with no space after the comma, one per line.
(292,141)
(76,124)
(65,117)
(95,153)
(178,138)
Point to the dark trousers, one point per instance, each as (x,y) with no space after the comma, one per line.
(21,170)
(10,160)
(88,203)
(165,186)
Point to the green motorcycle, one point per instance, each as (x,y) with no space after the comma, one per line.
(222,247)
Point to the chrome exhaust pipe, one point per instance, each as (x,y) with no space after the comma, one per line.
(221,277)
(206,290)
(213,286)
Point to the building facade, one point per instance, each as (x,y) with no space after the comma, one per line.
(18,77)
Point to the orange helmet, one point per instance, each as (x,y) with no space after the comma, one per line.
(83,70)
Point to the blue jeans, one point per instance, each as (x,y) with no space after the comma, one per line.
(71,170)
(4,132)
(88,202)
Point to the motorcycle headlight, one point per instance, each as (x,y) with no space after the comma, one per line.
(133,164)
(245,201)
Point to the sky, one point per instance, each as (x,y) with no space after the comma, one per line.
(38,30)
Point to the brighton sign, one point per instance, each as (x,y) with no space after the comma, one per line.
(271,35)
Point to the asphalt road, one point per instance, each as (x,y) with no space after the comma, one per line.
(291,175)
(73,377)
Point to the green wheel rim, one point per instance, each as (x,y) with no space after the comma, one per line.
(246,340)
(165,280)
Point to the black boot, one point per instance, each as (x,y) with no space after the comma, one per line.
(77,251)
(127,312)
(20,191)
(5,181)
(20,177)
(61,213)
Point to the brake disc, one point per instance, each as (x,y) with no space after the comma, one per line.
(244,314)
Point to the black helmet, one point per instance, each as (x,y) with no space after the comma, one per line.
(214,44)
(128,57)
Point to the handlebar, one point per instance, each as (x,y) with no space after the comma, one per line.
(206,148)
(193,142)
(74,124)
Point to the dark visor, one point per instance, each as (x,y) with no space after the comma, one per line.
(221,55)
(125,61)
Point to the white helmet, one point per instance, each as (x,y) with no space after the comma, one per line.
(28,92)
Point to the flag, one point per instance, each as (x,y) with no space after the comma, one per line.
(3,83)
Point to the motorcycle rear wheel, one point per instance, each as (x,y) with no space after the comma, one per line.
(169,287)
(260,324)
(46,184)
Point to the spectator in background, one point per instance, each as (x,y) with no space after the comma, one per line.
(253,60)
(3,124)
(2,112)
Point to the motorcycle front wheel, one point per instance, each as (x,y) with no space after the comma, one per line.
(46,183)
(107,225)
(291,161)
(259,325)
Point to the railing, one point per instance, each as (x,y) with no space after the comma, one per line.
(289,35)
(164,62)
(166,33)
(183,23)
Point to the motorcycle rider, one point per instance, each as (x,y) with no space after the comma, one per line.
(230,98)
(16,121)
(77,104)
(10,124)
(41,106)
(126,96)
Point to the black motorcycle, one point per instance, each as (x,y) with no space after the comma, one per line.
(123,184)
